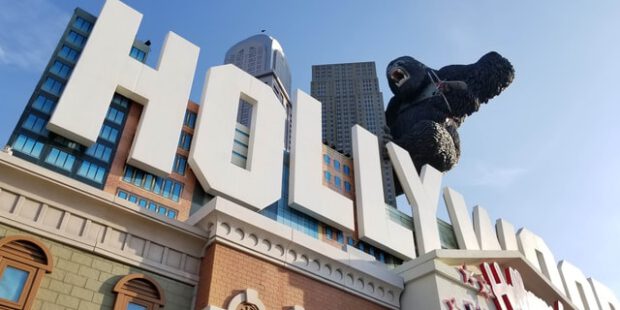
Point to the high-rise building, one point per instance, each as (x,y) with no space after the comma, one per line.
(350,95)
(263,57)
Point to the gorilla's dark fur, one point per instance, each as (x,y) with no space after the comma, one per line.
(429,105)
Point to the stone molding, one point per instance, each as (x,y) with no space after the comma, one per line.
(140,241)
(245,230)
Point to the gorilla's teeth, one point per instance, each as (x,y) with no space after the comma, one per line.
(399,76)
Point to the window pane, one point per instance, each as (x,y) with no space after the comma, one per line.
(132,306)
(122,194)
(12,283)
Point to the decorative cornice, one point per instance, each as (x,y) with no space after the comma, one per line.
(55,207)
(250,232)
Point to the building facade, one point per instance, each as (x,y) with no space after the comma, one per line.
(350,95)
(263,57)
(134,238)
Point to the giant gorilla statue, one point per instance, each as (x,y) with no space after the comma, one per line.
(429,105)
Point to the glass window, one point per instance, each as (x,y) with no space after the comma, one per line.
(336,165)
(161,186)
(68,53)
(44,104)
(137,54)
(180,162)
(158,183)
(60,69)
(82,24)
(346,170)
(326,158)
(328,176)
(122,194)
(60,159)
(91,171)
(185,140)
(28,146)
(340,237)
(148,181)
(190,119)
(115,116)
(152,207)
(76,38)
(337,181)
(108,133)
(172,214)
(167,188)
(162,210)
(328,232)
(35,124)
(134,306)
(12,283)
(100,151)
(121,101)
(176,191)
(133,198)
(347,186)
(350,241)
(142,203)
(128,174)
(52,86)
(137,179)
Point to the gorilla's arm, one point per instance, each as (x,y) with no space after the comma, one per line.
(392,111)
(485,78)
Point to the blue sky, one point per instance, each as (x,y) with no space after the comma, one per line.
(543,155)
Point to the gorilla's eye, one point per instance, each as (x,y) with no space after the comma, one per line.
(399,76)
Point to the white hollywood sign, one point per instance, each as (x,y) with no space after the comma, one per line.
(105,67)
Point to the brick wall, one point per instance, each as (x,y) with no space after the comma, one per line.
(84,281)
(226,272)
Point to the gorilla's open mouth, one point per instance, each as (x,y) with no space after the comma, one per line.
(399,76)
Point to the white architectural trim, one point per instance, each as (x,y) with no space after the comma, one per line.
(248,296)
(373,224)
(438,261)
(422,192)
(245,230)
(260,184)
(43,202)
(306,190)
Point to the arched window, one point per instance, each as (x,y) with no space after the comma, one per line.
(138,292)
(23,263)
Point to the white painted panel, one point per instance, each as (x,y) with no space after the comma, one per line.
(105,67)
(506,235)
(463,229)
(373,223)
(574,281)
(260,184)
(605,298)
(531,246)
(487,238)
(306,191)
(422,192)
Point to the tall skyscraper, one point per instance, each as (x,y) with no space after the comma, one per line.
(263,57)
(350,95)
